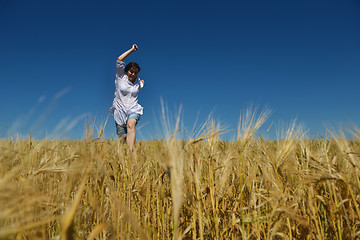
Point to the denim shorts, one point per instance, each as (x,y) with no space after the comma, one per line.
(122,130)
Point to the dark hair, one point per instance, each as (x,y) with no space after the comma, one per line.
(131,65)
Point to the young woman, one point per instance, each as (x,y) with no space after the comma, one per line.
(125,108)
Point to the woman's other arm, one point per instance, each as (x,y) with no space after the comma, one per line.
(142,82)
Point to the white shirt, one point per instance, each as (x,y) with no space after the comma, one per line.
(126,96)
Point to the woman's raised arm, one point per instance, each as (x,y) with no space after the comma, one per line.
(134,48)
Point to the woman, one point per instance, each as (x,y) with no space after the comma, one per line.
(125,108)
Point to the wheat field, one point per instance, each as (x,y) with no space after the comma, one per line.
(196,188)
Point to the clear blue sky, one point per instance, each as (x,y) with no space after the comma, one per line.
(301,59)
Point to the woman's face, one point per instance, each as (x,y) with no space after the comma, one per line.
(132,74)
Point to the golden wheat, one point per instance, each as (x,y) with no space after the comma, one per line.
(201,188)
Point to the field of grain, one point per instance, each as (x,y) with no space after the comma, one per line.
(199,188)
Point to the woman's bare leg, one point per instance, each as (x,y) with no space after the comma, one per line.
(131,134)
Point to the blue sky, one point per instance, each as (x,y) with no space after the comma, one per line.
(300,59)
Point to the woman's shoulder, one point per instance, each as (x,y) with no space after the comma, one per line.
(120,64)
(120,69)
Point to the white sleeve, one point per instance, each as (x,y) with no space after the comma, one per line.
(120,69)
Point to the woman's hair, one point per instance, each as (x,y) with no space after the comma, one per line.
(131,65)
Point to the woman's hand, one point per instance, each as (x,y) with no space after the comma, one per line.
(134,48)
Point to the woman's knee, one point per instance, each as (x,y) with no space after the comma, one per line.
(131,124)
